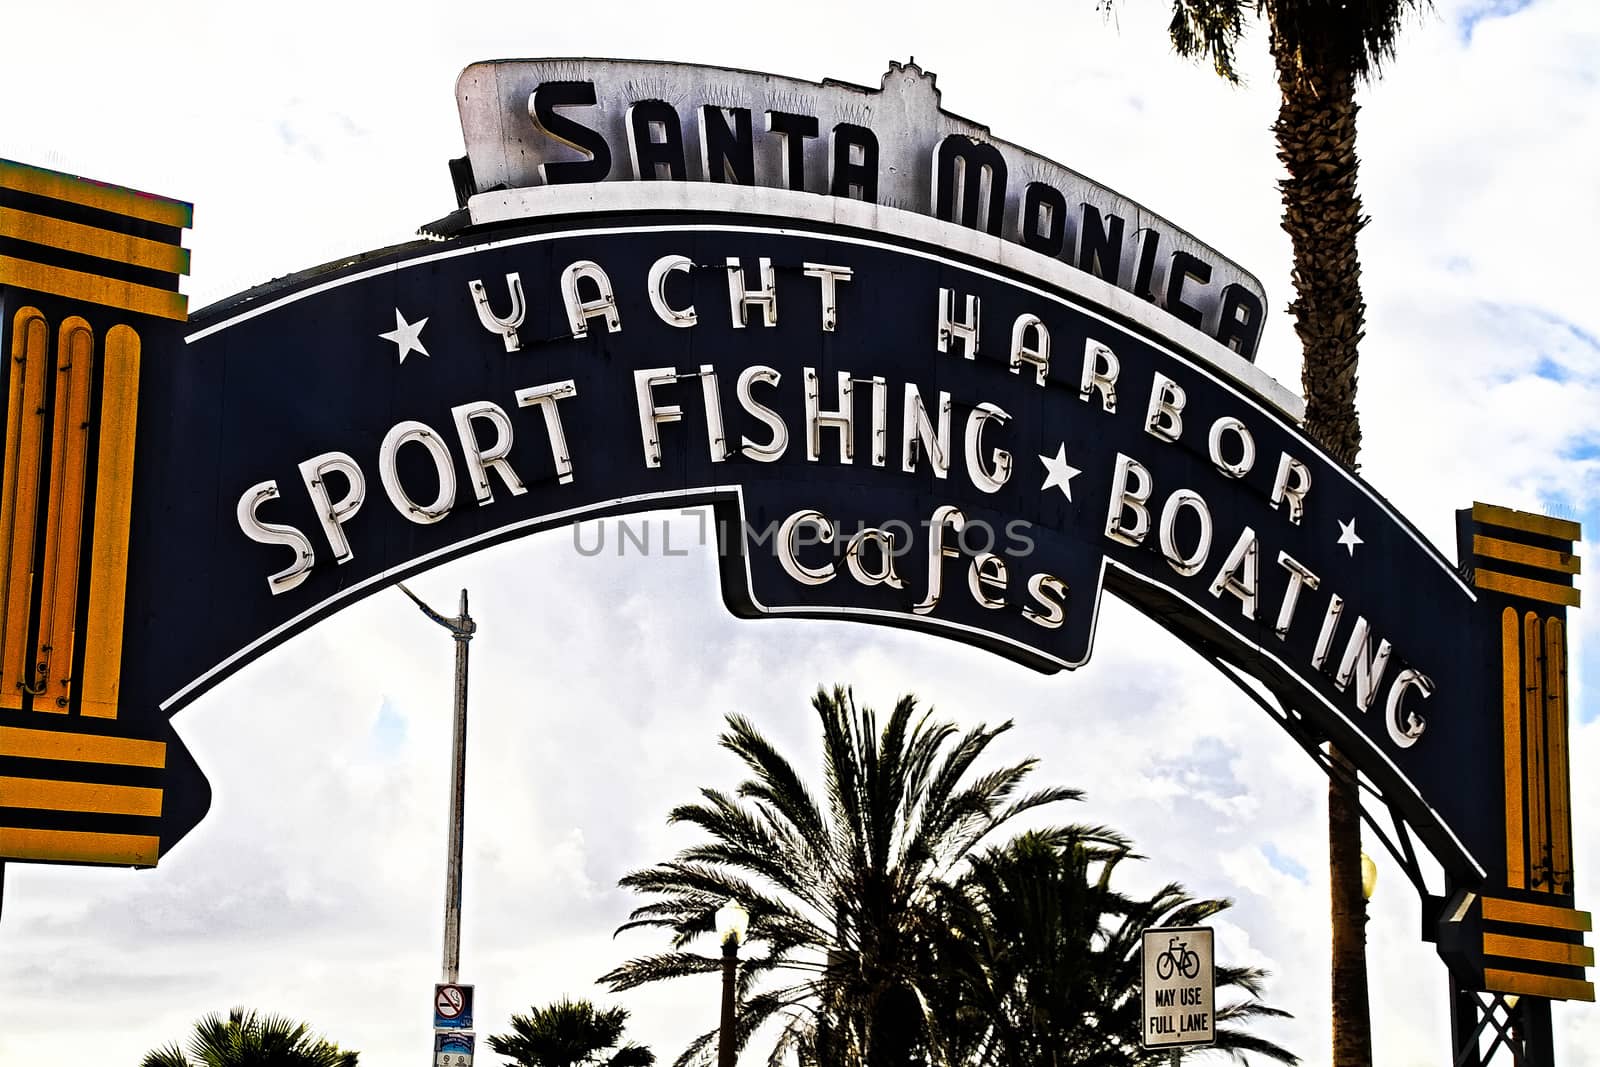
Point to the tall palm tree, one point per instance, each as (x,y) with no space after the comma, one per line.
(842,894)
(1042,962)
(571,1033)
(1322,50)
(250,1040)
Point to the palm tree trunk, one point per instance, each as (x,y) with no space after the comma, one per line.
(895,1040)
(1352,1024)
(1316,132)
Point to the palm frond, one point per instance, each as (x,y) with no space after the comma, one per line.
(247,1038)
(167,1056)
(567,1033)
(646,969)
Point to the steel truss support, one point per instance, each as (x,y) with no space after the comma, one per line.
(1396,840)
(1493,1030)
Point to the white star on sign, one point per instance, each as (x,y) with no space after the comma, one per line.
(1059,472)
(1347,536)
(407,336)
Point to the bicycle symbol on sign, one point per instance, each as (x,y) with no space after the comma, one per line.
(1179,957)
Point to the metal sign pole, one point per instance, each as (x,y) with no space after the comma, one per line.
(461,629)
(462,632)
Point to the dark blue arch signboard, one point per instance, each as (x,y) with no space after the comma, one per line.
(914,389)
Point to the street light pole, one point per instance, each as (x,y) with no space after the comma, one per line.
(461,628)
(731,922)
(726,1053)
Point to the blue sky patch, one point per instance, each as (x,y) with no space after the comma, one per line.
(1488,9)
(1566,351)
(389,732)
(1283,864)
(1549,368)
(1206,770)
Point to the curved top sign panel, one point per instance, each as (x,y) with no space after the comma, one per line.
(533,122)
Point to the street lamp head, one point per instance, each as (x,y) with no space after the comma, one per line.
(1369,876)
(732,922)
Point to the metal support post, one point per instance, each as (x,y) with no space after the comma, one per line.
(461,629)
(1531,1022)
(1465,1026)
(727,1052)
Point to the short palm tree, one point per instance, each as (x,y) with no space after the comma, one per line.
(246,1039)
(1042,964)
(570,1033)
(843,893)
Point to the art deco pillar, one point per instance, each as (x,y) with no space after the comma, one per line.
(86,269)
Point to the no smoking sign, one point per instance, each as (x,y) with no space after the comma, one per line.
(452,1007)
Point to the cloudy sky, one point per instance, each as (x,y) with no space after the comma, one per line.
(304,131)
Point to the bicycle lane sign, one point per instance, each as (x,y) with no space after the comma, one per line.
(1179,988)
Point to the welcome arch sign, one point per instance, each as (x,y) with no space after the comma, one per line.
(923,377)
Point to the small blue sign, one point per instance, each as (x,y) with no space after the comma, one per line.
(453,1049)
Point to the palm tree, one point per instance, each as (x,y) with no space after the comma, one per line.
(570,1033)
(250,1040)
(1322,50)
(842,895)
(1042,962)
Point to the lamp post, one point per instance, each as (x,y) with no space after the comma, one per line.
(1369,883)
(732,921)
(461,628)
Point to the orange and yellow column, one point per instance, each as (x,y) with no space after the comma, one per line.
(83,267)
